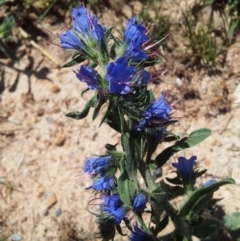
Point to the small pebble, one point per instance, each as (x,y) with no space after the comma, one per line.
(49,120)
(59,139)
(55,88)
(40,191)
(13,120)
(40,111)
(178,82)
(51,200)
(58,212)
(16,237)
(45,213)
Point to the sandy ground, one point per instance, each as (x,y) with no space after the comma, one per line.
(42,152)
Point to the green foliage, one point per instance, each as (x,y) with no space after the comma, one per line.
(199,198)
(193,139)
(202,43)
(230,12)
(5,35)
(207,228)
(232,223)
(160,23)
(80,115)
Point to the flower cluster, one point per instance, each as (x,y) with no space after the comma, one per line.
(86,32)
(116,72)
(99,167)
(88,38)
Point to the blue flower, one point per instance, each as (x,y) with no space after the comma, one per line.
(136,54)
(104,183)
(139,203)
(88,75)
(69,40)
(134,37)
(119,76)
(114,206)
(158,111)
(85,28)
(87,24)
(139,234)
(185,169)
(122,77)
(96,165)
(209,182)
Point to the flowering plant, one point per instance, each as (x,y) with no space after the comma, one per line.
(143,122)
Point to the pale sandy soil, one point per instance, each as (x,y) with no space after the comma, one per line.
(42,151)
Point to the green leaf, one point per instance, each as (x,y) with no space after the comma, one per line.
(207,228)
(143,225)
(200,173)
(6,27)
(110,147)
(157,204)
(170,138)
(47,9)
(132,146)
(101,101)
(112,52)
(2,2)
(108,34)
(232,223)
(121,118)
(80,115)
(76,60)
(233,27)
(162,224)
(84,91)
(193,139)
(127,188)
(198,195)
(112,120)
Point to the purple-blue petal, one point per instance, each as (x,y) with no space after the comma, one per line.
(104,183)
(135,32)
(185,168)
(88,75)
(139,203)
(160,109)
(81,20)
(96,165)
(87,24)
(114,206)
(134,37)
(119,76)
(139,235)
(69,40)
(136,54)
(97,31)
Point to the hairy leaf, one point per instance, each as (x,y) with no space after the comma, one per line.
(193,139)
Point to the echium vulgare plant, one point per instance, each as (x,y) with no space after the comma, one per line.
(116,75)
